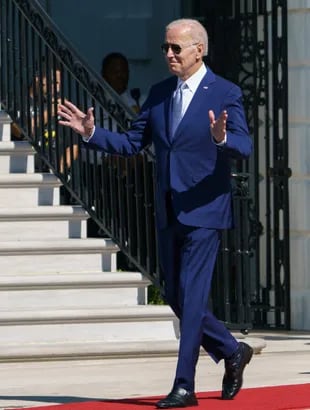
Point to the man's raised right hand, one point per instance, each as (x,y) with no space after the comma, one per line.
(74,118)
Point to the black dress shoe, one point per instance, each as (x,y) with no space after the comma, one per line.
(178,397)
(234,367)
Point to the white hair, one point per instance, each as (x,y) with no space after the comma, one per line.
(197,31)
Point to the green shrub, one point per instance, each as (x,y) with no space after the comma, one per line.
(154,296)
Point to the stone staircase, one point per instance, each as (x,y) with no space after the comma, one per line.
(61,295)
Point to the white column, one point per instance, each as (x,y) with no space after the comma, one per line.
(299,159)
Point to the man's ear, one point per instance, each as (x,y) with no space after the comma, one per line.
(199,52)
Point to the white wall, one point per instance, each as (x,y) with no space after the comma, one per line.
(132,27)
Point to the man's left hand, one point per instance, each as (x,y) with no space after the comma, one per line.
(218,126)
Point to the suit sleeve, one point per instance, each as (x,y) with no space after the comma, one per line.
(126,143)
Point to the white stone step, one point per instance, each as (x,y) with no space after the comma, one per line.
(60,294)
(91,350)
(52,256)
(33,352)
(111,324)
(72,291)
(48,222)
(16,157)
(28,190)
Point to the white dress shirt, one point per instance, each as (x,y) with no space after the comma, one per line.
(192,85)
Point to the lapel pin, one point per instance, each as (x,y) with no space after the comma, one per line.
(205,87)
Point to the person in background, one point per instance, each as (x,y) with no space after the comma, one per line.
(16,133)
(43,119)
(115,71)
(196,121)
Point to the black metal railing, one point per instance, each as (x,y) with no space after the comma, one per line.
(39,68)
(248,45)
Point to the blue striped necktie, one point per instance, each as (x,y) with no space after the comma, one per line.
(177,112)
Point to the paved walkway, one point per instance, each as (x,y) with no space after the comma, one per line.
(284,360)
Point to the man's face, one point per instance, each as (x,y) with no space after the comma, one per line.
(117,75)
(189,59)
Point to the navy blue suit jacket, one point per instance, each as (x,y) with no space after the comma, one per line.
(191,165)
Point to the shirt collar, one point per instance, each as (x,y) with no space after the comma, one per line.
(194,81)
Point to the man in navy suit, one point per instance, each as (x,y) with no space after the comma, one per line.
(196,123)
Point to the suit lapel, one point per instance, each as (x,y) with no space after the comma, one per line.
(198,99)
(168,116)
(168,110)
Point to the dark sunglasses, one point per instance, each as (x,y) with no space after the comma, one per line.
(175,48)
